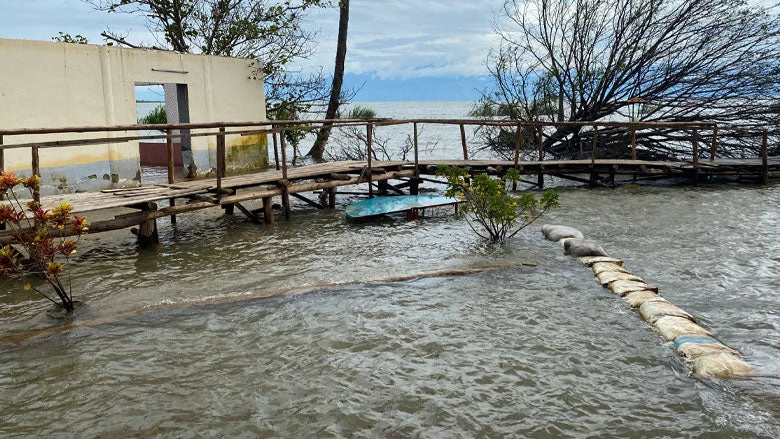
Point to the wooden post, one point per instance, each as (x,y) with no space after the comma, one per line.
(169,145)
(695,141)
(276,150)
(285,189)
(414,186)
(370,151)
(171,178)
(36,170)
(765,157)
(220,159)
(633,143)
(594,145)
(540,181)
(147,230)
(332,198)
(714,146)
(416,152)
(463,141)
(518,142)
(268,210)
(283,147)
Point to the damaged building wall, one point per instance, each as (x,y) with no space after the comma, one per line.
(54,85)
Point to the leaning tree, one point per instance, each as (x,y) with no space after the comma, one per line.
(640,60)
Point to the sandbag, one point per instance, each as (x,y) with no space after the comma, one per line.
(590,260)
(721,365)
(655,309)
(607,277)
(600,267)
(583,247)
(671,327)
(694,346)
(555,232)
(623,287)
(635,299)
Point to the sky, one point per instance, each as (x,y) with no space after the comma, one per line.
(397,50)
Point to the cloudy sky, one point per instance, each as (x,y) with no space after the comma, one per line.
(398,49)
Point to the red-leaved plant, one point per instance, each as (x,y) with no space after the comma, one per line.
(39,239)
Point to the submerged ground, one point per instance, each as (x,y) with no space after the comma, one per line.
(532,351)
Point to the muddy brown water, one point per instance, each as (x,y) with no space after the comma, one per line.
(526,352)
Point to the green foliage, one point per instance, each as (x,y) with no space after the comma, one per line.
(156,116)
(360,112)
(486,109)
(293,133)
(487,203)
(39,239)
(68,38)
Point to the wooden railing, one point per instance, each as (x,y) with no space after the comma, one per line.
(277,128)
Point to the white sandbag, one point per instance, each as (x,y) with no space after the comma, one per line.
(607,277)
(623,287)
(583,247)
(693,350)
(555,232)
(671,327)
(590,260)
(653,310)
(721,365)
(600,267)
(635,299)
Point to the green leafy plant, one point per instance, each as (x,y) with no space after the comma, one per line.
(39,242)
(491,212)
(156,116)
(294,134)
(68,38)
(360,112)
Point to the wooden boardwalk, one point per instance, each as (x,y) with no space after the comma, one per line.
(231,191)
(141,206)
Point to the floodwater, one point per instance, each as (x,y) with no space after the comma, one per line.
(524,351)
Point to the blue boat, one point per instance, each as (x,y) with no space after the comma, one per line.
(402,203)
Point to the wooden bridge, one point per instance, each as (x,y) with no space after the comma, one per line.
(286,181)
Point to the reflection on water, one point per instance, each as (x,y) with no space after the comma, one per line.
(533,351)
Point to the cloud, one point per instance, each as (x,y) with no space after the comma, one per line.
(397,39)
(410,38)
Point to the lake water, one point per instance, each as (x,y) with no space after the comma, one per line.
(525,351)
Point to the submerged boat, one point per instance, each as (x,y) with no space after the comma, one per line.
(411,204)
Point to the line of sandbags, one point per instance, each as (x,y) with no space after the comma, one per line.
(707,356)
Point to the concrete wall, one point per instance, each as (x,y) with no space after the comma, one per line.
(51,85)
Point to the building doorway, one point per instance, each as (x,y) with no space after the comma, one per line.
(159,104)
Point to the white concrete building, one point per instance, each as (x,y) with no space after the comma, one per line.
(53,85)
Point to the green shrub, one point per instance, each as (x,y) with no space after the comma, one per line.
(358,112)
(489,206)
(157,116)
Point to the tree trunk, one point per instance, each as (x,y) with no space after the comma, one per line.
(318,149)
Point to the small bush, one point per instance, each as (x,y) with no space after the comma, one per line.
(490,211)
(358,112)
(158,116)
(39,243)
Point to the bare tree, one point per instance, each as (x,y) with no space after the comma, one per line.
(317,150)
(271,32)
(648,60)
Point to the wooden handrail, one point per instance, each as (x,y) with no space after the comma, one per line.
(178,126)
